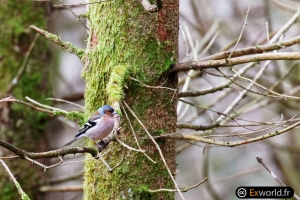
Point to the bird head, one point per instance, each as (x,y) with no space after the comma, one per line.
(106,110)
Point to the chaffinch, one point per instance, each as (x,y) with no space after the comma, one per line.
(99,125)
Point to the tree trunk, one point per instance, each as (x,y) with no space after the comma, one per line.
(21,125)
(125,40)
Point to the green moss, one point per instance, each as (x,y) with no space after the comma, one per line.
(160,131)
(143,55)
(123,41)
(65,46)
(74,115)
(142,193)
(116,83)
(23,195)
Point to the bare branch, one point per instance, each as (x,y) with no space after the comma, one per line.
(105,163)
(9,99)
(275,94)
(50,188)
(260,101)
(182,190)
(44,166)
(254,49)
(226,143)
(45,106)
(79,4)
(226,84)
(198,65)
(245,24)
(129,147)
(65,101)
(49,154)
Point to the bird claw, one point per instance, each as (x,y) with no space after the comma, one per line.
(102,144)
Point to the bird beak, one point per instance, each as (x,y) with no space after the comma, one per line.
(114,112)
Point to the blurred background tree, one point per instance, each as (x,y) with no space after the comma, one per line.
(24,71)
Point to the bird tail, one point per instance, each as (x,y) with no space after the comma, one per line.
(70,142)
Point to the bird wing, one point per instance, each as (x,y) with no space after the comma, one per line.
(94,118)
(89,124)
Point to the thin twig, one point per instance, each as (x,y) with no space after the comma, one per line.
(245,24)
(44,166)
(267,29)
(152,87)
(227,143)
(182,190)
(24,65)
(209,44)
(78,18)
(134,135)
(76,5)
(49,154)
(258,102)
(242,94)
(105,163)
(198,65)
(50,188)
(156,87)
(45,106)
(260,160)
(235,119)
(194,48)
(9,157)
(264,88)
(120,163)
(65,101)
(158,148)
(23,195)
(254,49)
(219,87)
(286,27)
(9,99)
(186,42)
(129,147)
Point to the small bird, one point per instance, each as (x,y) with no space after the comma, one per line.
(99,125)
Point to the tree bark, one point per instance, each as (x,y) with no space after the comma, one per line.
(125,40)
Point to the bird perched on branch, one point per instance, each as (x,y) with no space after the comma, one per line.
(99,125)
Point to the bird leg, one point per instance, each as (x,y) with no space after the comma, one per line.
(102,144)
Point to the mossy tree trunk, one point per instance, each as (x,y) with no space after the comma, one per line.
(21,125)
(125,40)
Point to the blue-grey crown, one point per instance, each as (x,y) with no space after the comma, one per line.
(104,108)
